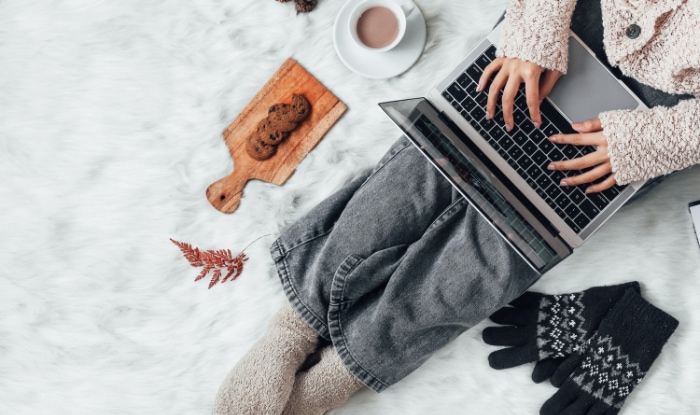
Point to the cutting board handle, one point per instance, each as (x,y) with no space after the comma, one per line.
(225,194)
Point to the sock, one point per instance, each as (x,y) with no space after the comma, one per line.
(548,328)
(326,385)
(262,380)
(614,360)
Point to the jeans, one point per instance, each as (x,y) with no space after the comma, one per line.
(394,266)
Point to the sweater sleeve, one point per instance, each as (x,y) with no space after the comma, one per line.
(538,31)
(646,144)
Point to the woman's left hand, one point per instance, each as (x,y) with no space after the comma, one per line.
(591,134)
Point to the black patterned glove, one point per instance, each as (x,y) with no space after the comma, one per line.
(548,328)
(613,361)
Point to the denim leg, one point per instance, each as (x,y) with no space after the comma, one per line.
(394,266)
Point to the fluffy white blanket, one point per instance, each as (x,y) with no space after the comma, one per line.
(111,116)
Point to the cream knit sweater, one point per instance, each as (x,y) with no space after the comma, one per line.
(664,54)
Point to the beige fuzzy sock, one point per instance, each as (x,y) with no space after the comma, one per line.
(326,385)
(262,380)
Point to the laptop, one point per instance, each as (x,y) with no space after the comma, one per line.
(504,174)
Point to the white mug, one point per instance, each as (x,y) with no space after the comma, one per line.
(400,9)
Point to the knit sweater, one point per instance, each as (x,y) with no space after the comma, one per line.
(656,42)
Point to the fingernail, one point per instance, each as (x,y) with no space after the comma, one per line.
(588,190)
(479,88)
(509,127)
(537,124)
(563,183)
(553,138)
(489,115)
(550,167)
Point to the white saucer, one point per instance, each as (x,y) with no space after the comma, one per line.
(379,65)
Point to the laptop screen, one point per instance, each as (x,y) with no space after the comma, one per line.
(462,167)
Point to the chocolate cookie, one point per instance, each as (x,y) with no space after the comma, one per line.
(259,150)
(281,120)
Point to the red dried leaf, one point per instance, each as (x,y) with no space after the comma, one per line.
(215,277)
(214,260)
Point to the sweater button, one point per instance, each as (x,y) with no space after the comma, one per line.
(633,31)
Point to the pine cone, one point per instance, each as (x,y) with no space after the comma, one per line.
(305,6)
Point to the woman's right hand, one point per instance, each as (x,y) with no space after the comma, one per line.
(510,73)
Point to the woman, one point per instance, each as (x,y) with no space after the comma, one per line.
(395,265)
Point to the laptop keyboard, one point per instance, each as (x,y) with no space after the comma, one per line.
(527,149)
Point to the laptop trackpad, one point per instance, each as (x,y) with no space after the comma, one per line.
(588,88)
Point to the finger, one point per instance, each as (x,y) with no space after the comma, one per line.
(544,369)
(579,163)
(492,67)
(589,139)
(511,357)
(511,316)
(533,101)
(507,336)
(565,369)
(604,185)
(547,83)
(587,126)
(494,91)
(508,100)
(589,176)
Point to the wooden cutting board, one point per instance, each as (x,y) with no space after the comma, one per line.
(291,78)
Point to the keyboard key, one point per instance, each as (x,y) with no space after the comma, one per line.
(468,104)
(507,142)
(555,154)
(478,114)
(474,72)
(534,171)
(572,225)
(589,209)
(581,220)
(577,196)
(515,152)
(482,99)
(540,158)
(550,130)
(447,96)
(491,52)
(527,126)
(457,92)
(572,211)
(528,146)
(598,200)
(543,181)
(520,138)
(487,124)
(562,201)
(483,61)
(521,103)
(553,190)
(463,80)
(570,151)
(498,133)
(518,117)
(471,90)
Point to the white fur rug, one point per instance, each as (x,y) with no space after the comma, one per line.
(110,123)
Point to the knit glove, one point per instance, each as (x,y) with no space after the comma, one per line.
(548,328)
(613,361)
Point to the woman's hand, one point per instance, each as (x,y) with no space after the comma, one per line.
(591,134)
(511,73)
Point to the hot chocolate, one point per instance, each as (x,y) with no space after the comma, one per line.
(377,27)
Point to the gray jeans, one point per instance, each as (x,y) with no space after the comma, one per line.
(394,266)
